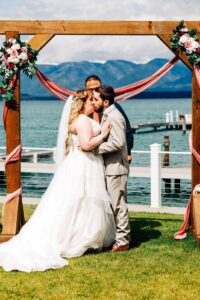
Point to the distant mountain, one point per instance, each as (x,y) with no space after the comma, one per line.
(117,73)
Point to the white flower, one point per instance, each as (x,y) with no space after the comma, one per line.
(10,59)
(195,45)
(15,47)
(12,40)
(13,59)
(189,50)
(184,29)
(9,51)
(183,39)
(190,45)
(23,56)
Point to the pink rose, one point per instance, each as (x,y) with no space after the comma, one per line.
(14,53)
(191,45)
(189,42)
(24,49)
(183,39)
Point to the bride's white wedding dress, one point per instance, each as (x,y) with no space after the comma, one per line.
(73,215)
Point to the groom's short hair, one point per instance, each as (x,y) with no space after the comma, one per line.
(106,93)
(92,77)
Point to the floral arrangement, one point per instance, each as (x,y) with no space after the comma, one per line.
(187,41)
(15,55)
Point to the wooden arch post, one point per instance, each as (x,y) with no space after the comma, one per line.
(13,211)
(43,31)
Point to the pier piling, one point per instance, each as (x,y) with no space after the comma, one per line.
(166,144)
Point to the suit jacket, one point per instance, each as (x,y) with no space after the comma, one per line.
(129,130)
(97,116)
(114,149)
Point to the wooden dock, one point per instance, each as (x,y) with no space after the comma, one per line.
(161,126)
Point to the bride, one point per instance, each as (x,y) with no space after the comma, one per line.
(74,213)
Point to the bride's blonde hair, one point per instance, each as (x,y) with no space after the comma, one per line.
(77,108)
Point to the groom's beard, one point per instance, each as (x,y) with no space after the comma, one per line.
(99,109)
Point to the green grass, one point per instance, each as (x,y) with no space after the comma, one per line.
(156,267)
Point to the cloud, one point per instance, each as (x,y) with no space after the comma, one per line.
(77,48)
(104,10)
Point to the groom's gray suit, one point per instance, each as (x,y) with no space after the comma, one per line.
(115,156)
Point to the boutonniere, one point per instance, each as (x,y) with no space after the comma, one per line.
(105,117)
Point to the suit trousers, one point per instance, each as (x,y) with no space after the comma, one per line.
(116,187)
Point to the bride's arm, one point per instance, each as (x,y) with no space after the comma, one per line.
(84,131)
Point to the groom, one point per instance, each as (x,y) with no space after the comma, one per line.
(114,151)
(91,83)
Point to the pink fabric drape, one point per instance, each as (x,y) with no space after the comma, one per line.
(15,155)
(140,86)
(182,233)
(52,87)
(122,93)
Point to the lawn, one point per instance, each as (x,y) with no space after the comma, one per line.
(156,267)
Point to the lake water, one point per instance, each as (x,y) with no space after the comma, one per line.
(40,120)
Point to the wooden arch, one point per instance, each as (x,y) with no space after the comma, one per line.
(43,32)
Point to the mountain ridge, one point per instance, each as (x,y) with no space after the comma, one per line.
(116,73)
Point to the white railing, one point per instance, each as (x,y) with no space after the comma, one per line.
(37,175)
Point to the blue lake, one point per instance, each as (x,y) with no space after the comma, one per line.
(40,120)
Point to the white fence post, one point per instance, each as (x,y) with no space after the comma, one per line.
(35,158)
(167,117)
(54,154)
(155,175)
(171,117)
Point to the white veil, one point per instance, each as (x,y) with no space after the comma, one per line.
(63,132)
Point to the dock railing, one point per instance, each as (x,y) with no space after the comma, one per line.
(147,178)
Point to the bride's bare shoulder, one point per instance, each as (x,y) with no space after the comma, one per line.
(83,119)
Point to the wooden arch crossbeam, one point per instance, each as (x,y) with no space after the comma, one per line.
(43,32)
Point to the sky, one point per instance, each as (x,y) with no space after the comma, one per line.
(139,49)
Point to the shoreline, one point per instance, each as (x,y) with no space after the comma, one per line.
(147,95)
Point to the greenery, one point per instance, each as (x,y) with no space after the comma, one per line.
(15,55)
(190,45)
(156,267)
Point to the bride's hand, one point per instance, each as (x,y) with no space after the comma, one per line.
(105,130)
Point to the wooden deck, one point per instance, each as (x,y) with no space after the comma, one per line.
(161,126)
